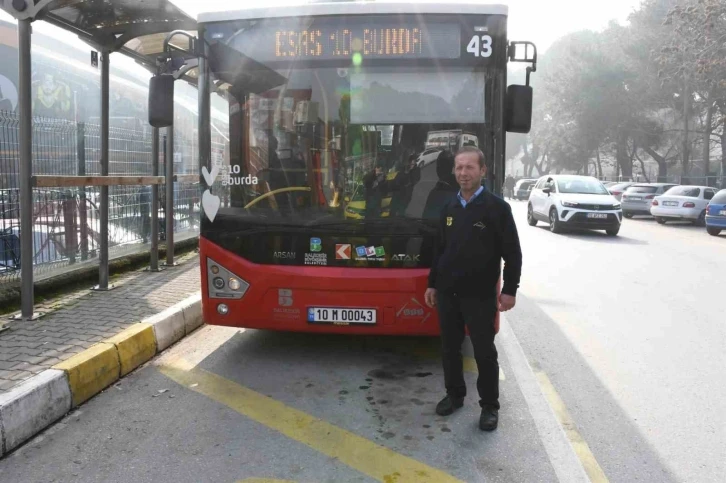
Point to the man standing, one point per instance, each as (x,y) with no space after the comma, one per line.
(509,184)
(476,232)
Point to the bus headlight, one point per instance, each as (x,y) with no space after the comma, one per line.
(223,309)
(223,284)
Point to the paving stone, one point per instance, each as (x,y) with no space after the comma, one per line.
(83,318)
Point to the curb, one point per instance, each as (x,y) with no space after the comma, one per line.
(43,399)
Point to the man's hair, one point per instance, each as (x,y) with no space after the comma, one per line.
(475,150)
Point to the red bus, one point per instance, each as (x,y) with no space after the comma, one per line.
(328,221)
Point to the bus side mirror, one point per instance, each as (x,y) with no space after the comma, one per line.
(161,100)
(518,109)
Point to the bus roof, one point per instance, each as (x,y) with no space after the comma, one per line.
(355,8)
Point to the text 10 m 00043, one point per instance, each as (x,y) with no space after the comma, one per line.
(341,314)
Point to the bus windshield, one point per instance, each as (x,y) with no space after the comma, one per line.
(331,137)
(352,142)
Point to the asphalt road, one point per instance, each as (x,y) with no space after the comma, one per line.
(615,349)
(632,332)
(238,405)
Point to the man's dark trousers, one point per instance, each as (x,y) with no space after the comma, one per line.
(476,313)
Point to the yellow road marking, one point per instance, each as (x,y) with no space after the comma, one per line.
(582,450)
(363,455)
(429,352)
(470,366)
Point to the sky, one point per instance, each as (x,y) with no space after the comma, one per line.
(531,20)
(541,22)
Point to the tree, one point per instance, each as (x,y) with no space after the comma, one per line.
(636,92)
(697,56)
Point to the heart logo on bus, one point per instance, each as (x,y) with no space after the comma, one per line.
(210,204)
(210,177)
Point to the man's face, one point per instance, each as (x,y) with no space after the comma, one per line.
(467,170)
(48,82)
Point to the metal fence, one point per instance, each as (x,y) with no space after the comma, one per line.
(66,222)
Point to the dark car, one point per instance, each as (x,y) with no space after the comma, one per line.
(523,188)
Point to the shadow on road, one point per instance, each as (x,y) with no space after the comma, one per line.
(641,218)
(621,449)
(674,223)
(684,226)
(597,237)
(273,346)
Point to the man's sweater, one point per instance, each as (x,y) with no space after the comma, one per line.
(471,243)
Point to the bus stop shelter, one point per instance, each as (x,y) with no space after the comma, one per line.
(136,28)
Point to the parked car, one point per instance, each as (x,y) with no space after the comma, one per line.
(716,213)
(683,203)
(523,188)
(428,156)
(617,190)
(638,198)
(574,201)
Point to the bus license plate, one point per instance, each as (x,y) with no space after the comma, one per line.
(597,215)
(722,212)
(341,315)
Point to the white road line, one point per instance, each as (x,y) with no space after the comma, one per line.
(562,456)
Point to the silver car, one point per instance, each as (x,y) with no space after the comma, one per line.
(637,199)
(617,190)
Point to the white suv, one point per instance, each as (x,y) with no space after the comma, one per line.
(574,201)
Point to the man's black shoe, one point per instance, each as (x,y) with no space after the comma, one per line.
(488,419)
(448,405)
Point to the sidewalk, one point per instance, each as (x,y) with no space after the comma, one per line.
(79,320)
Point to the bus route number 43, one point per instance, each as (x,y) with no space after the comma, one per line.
(480,46)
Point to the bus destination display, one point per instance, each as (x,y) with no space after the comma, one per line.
(330,42)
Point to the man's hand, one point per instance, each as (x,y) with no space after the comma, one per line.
(430,297)
(506,302)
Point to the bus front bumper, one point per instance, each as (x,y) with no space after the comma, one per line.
(382,301)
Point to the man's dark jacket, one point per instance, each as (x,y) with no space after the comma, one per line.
(471,243)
